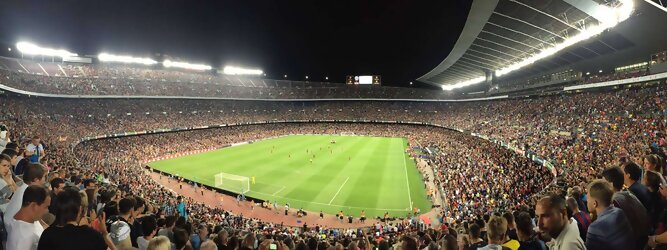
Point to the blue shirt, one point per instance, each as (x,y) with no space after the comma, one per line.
(610,230)
(181,209)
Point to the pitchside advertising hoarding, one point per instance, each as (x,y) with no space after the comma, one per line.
(364,80)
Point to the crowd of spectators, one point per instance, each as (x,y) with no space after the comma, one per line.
(489,191)
(129,81)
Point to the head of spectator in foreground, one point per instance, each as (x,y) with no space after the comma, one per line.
(68,207)
(34,174)
(614,175)
(496,229)
(36,202)
(551,215)
(652,180)
(57,185)
(13,155)
(475,231)
(633,173)
(159,243)
(600,194)
(652,162)
(524,226)
(408,243)
(5,162)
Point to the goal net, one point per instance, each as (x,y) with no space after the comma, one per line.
(235,183)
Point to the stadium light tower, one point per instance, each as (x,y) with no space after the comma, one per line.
(9,49)
(306,77)
(185,65)
(105,57)
(285,76)
(326,78)
(232,70)
(32,49)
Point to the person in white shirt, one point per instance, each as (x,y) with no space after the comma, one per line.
(35,150)
(34,175)
(22,231)
(552,219)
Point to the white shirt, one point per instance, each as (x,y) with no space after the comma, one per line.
(22,235)
(142,243)
(31,147)
(15,203)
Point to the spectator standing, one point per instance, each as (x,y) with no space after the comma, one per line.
(60,236)
(528,238)
(552,219)
(34,175)
(23,232)
(631,206)
(35,150)
(611,229)
(632,177)
(582,218)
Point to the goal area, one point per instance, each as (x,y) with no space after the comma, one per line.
(231,182)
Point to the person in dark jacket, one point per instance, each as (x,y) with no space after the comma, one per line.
(611,229)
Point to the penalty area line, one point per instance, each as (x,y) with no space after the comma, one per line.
(341,187)
(281,189)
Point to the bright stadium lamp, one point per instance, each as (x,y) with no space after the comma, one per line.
(306,77)
(32,49)
(464,83)
(184,65)
(232,70)
(105,57)
(607,17)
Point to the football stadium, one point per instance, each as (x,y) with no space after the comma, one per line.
(402,125)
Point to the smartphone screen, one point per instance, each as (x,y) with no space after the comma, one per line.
(273,247)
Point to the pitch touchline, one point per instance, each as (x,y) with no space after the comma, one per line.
(341,187)
(281,189)
(405,166)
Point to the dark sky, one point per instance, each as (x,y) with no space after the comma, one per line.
(398,39)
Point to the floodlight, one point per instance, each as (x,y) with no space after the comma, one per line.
(608,18)
(232,70)
(105,57)
(184,65)
(32,49)
(599,71)
(306,77)
(326,78)
(9,49)
(464,83)
(285,76)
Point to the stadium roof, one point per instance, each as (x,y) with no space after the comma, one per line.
(500,34)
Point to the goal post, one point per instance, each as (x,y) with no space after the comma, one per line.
(231,182)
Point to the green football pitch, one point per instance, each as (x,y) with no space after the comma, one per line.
(355,173)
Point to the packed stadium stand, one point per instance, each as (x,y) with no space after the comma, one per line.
(513,160)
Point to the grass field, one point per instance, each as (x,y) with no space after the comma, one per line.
(356,173)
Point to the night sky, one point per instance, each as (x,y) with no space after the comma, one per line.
(398,39)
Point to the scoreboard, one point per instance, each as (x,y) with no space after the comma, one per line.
(363,80)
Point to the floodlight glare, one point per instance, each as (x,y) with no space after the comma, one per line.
(464,83)
(184,65)
(232,70)
(609,18)
(32,49)
(105,57)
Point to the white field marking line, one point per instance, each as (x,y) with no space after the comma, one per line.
(341,187)
(333,205)
(281,189)
(405,166)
